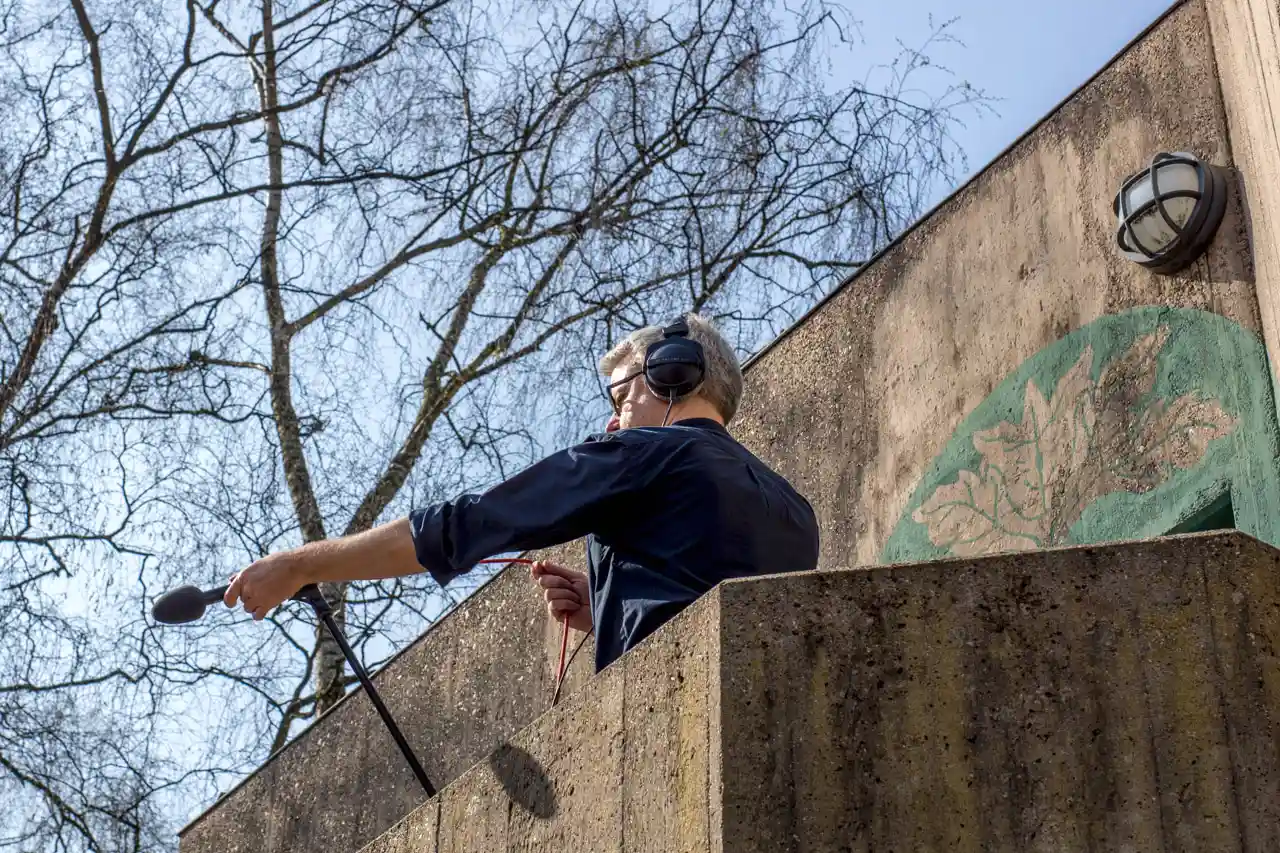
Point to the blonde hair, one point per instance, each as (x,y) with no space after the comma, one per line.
(722,385)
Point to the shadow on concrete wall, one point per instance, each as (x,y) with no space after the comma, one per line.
(524,780)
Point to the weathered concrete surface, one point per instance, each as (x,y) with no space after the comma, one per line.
(623,765)
(1110,698)
(1246,43)
(1113,698)
(876,381)
(1244,612)
(483,673)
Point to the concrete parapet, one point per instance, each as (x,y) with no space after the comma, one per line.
(1110,698)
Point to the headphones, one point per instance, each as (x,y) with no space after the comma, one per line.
(674,367)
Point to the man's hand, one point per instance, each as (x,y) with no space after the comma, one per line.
(566,594)
(269,582)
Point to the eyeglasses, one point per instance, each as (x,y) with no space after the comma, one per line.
(613,400)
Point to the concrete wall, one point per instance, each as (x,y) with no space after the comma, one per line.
(1003,379)
(1246,41)
(626,764)
(1112,698)
(1108,699)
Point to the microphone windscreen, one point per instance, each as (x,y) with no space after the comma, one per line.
(184,604)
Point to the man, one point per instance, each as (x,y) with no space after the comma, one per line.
(670,502)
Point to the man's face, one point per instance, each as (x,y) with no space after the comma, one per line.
(634,405)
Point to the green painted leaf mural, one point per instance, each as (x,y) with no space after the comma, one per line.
(1149,416)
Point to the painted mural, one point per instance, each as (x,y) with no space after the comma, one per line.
(1132,426)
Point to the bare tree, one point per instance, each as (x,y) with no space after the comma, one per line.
(123,175)
(273,271)
(613,166)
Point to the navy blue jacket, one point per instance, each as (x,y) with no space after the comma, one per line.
(669,512)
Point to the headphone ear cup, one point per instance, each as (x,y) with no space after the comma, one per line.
(674,367)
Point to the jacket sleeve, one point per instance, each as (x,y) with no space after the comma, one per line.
(559,499)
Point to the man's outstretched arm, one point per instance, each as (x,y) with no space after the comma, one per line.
(386,551)
(556,500)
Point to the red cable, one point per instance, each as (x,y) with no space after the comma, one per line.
(564,634)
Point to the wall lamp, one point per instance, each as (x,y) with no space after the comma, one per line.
(1168,212)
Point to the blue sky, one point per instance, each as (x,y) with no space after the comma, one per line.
(1031,54)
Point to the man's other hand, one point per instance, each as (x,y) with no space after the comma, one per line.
(566,593)
(268,582)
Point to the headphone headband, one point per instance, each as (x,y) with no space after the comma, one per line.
(676,328)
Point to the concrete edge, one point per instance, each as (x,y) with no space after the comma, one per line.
(715,725)
(1233,535)
(712,600)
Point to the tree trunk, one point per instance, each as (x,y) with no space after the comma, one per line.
(330,664)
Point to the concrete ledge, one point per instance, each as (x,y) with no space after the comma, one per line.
(1119,698)
(1116,698)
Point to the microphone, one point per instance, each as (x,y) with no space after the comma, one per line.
(185,604)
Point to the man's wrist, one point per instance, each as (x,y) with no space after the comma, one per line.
(321,562)
(383,552)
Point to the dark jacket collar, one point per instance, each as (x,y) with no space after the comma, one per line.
(701,423)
